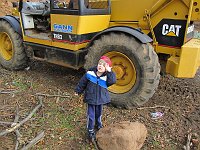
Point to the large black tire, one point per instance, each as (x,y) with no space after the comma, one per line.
(12,53)
(145,62)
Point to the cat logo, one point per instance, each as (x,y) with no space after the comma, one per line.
(171,30)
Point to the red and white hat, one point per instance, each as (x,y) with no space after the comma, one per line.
(107,60)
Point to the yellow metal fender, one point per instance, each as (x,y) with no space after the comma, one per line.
(188,63)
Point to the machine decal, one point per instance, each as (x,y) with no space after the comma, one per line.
(170,32)
(57,36)
(190,31)
(72,38)
(62,28)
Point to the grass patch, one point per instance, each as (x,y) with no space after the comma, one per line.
(23,84)
(156,144)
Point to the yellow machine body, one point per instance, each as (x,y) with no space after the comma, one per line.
(81,24)
(188,62)
(184,59)
(162,20)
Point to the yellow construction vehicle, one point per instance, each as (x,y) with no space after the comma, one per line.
(133,33)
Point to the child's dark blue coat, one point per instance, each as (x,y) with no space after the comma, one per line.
(95,87)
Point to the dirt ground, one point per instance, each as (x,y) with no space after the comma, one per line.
(63,119)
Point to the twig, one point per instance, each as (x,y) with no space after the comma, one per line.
(48,95)
(187,147)
(18,135)
(17,115)
(95,144)
(17,144)
(12,92)
(4,106)
(58,98)
(8,92)
(5,123)
(140,108)
(6,115)
(17,125)
(34,141)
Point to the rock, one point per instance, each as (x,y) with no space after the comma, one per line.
(122,136)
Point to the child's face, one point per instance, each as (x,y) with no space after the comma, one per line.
(101,66)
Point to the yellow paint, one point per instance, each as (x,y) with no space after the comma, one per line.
(92,23)
(129,10)
(125,72)
(171,34)
(195,13)
(189,19)
(188,63)
(21,24)
(15,12)
(37,41)
(172,65)
(168,50)
(64,19)
(129,24)
(82,24)
(6,46)
(63,45)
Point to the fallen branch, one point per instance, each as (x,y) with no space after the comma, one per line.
(17,125)
(18,135)
(48,95)
(34,141)
(140,108)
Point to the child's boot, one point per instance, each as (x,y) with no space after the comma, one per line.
(99,127)
(91,135)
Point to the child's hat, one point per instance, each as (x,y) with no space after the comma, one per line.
(107,60)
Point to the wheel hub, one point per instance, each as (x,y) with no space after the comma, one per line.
(8,45)
(6,50)
(125,72)
(119,70)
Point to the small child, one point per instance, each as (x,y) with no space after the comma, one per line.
(94,84)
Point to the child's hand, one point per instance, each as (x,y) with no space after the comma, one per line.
(108,68)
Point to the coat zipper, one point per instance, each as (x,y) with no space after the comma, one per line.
(97,90)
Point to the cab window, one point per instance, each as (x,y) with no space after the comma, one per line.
(65,4)
(96,4)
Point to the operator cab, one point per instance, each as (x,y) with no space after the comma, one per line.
(36,8)
(62,21)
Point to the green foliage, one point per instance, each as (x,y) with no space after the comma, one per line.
(23,84)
